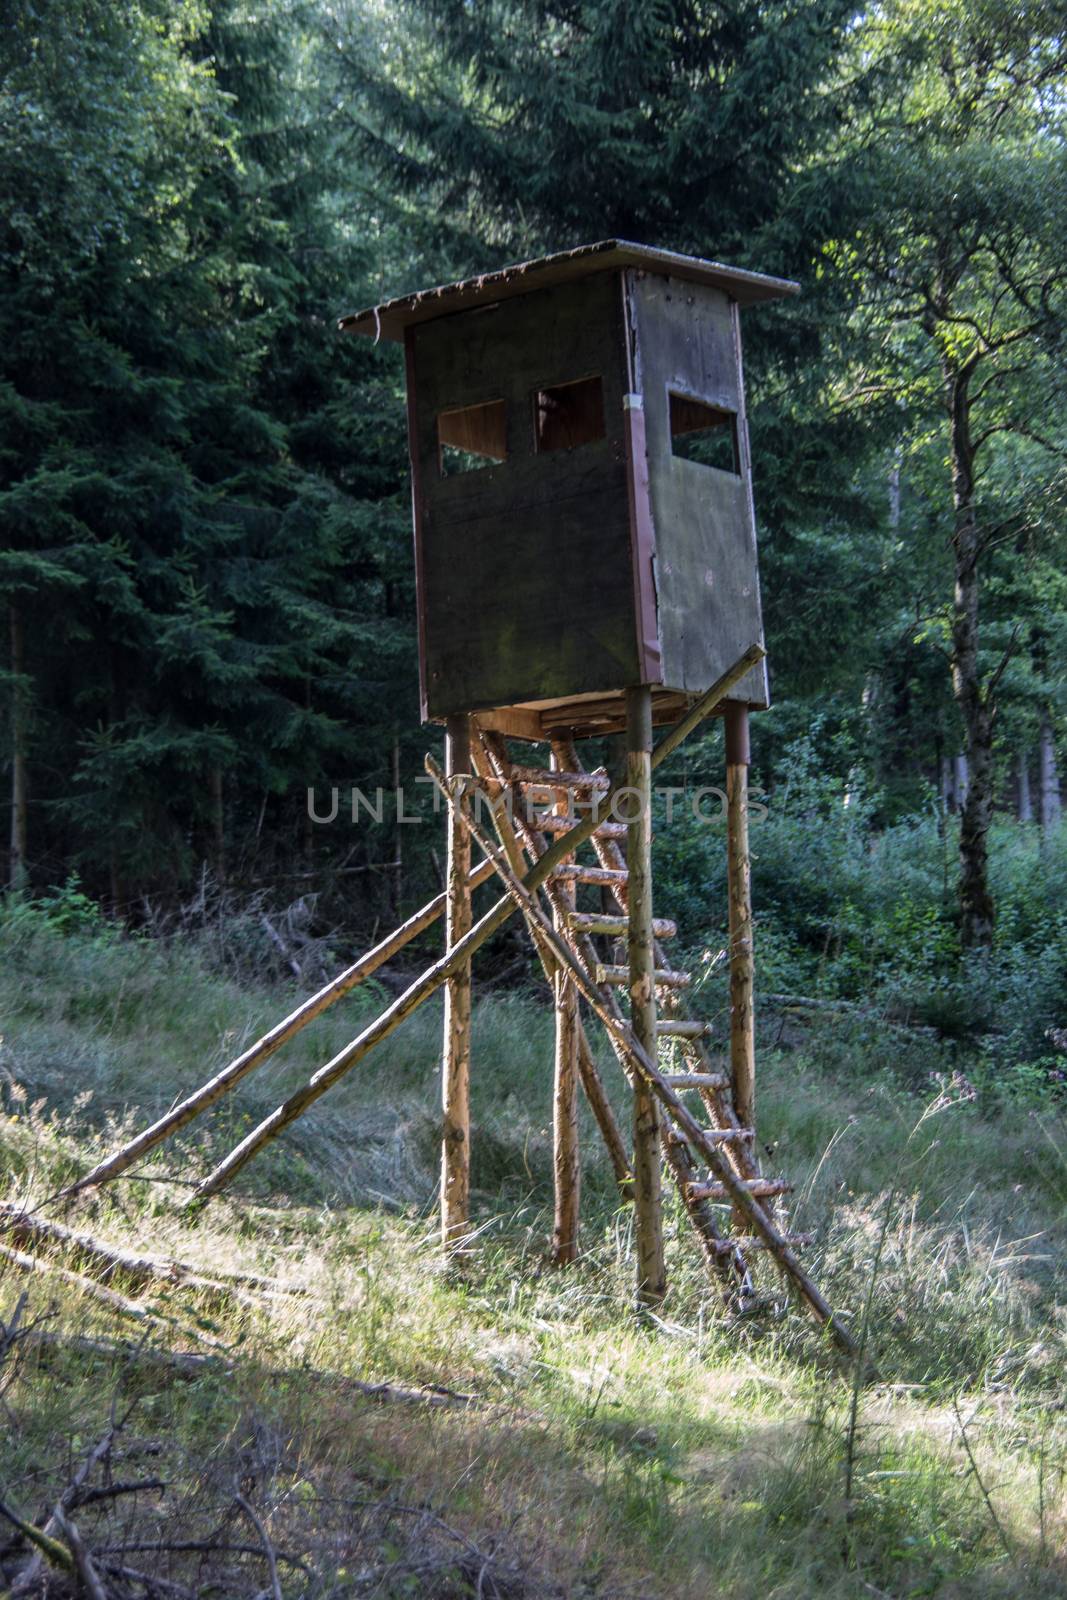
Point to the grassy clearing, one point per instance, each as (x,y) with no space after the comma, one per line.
(701,1457)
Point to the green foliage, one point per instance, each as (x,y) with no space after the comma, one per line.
(706,1443)
(851,909)
(203,490)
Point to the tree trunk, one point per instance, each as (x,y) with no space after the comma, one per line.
(739,894)
(1050,778)
(1024,809)
(961,780)
(976,902)
(398,837)
(948,785)
(218,822)
(18,872)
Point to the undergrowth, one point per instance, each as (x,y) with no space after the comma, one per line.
(538,1441)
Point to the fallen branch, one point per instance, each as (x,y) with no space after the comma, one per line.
(28,1577)
(97,1291)
(264,1539)
(191,1364)
(105,1261)
(83,1561)
(50,1549)
(151,1581)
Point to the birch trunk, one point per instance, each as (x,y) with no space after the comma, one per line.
(1024,808)
(976,901)
(1050,778)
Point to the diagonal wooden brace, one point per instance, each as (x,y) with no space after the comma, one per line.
(437,974)
(743,1201)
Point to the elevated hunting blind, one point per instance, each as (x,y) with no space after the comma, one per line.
(582,485)
(586,563)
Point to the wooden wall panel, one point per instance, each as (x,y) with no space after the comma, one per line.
(525,584)
(707,577)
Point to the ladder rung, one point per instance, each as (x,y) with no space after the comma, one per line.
(549,822)
(760,1188)
(746,1241)
(542,778)
(598,922)
(665,978)
(697,1080)
(716,1135)
(579,874)
(675,1028)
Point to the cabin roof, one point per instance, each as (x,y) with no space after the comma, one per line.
(389,319)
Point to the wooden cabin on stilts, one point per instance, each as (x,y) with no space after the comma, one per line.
(586,566)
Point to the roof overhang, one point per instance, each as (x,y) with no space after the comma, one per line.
(388,320)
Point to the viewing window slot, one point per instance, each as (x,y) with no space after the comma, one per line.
(471,437)
(704,433)
(569,414)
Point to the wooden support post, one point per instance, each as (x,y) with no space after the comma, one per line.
(491,761)
(648,1203)
(739,889)
(455,1066)
(418,992)
(566,1158)
(701,1140)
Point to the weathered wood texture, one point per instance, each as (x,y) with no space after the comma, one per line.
(582,947)
(492,763)
(231,1075)
(685,337)
(566,1156)
(455,1065)
(524,582)
(744,1194)
(648,1200)
(435,976)
(739,892)
(719,1106)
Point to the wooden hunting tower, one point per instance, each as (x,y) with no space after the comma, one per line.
(585,552)
(582,485)
(586,563)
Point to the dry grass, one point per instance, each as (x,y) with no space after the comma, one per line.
(599,1459)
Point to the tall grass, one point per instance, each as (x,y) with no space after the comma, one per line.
(707,1455)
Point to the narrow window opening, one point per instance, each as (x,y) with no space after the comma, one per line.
(471,437)
(569,414)
(704,433)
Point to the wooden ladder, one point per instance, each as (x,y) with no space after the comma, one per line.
(726,1238)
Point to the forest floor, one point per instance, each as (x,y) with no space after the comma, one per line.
(224,1438)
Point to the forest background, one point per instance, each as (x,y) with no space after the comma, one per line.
(205,556)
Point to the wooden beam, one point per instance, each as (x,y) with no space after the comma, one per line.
(739,890)
(648,1199)
(490,755)
(231,1075)
(456,1060)
(566,1156)
(639,1061)
(431,980)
